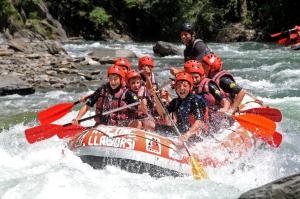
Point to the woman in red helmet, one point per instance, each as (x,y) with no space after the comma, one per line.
(212,64)
(138,117)
(109,96)
(216,101)
(190,110)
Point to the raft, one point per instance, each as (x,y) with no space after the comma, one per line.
(139,151)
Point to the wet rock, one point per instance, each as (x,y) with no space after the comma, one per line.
(235,33)
(162,49)
(284,188)
(11,84)
(105,56)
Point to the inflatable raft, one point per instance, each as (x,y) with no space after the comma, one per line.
(139,151)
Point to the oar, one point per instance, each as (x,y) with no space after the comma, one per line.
(275,140)
(260,126)
(283,32)
(270,113)
(56,112)
(46,131)
(198,171)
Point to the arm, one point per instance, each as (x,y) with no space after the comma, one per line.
(192,131)
(81,113)
(237,101)
(215,91)
(200,49)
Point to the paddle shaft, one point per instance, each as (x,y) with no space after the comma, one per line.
(105,113)
(173,123)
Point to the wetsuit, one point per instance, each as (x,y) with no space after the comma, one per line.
(193,105)
(196,50)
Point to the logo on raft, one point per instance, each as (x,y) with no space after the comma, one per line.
(96,138)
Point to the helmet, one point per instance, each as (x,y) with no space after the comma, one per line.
(184,76)
(196,69)
(213,61)
(123,62)
(187,27)
(116,70)
(145,60)
(192,63)
(132,74)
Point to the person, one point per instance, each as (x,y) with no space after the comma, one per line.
(146,65)
(296,44)
(190,110)
(109,96)
(195,48)
(123,63)
(139,118)
(212,64)
(217,103)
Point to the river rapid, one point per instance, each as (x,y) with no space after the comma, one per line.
(47,169)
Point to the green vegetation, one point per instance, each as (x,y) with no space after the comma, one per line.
(152,19)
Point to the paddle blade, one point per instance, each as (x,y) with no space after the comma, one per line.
(42,132)
(270,113)
(70,131)
(276,139)
(198,171)
(276,34)
(260,126)
(54,113)
(281,41)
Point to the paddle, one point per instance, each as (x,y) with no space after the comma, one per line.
(198,171)
(283,32)
(56,112)
(46,131)
(281,41)
(260,126)
(270,113)
(276,139)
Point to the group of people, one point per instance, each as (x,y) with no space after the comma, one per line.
(205,93)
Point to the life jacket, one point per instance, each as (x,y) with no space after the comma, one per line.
(217,77)
(203,88)
(106,102)
(192,54)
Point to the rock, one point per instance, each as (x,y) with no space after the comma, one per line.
(234,33)
(109,55)
(162,49)
(6,52)
(19,45)
(284,188)
(11,84)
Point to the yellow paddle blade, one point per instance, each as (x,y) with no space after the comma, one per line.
(198,170)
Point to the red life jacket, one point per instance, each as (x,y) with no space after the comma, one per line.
(216,78)
(203,88)
(106,102)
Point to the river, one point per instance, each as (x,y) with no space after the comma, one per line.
(47,169)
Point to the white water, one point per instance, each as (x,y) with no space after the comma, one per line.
(47,169)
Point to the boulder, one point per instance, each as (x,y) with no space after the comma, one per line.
(235,32)
(11,84)
(105,55)
(283,188)
(162,49)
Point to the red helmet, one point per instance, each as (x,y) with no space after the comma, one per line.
(116,70)
(192,63)
(184,76)
(145,60)
(123,62)
(213,61)
(196,69)
(132,74)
